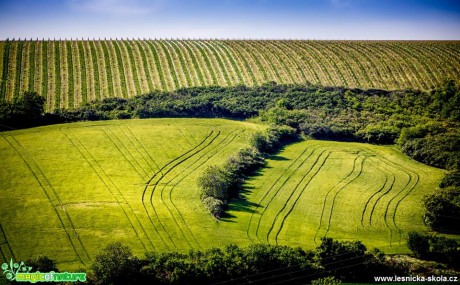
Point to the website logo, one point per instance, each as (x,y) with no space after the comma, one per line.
(19,272)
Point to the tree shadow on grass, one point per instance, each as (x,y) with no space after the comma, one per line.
(277,157)
(238,205)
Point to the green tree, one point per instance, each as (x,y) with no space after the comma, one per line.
(115,264)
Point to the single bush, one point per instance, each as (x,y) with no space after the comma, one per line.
(214,206)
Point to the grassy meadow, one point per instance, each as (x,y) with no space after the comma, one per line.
(68,190)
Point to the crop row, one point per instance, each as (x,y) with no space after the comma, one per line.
(68,73)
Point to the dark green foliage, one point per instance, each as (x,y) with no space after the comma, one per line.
(41,263)
(344,260)
(214,183)
(418,243)
(436,248)
(451,179)
(23,111)
(332,261)
(116,265)
(423,123)
(222,183)
(442,210)
(257,264)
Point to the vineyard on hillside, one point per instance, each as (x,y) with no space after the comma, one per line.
(68,72)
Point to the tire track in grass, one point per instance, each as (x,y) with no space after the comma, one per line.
(124,156)
(373,195)
(3,255)
(7,244)
(417,180)
(163,175)
(190,171)
(393,179)
(161,171)
(295,188)
(30,163)
(270,189)
(343,187)
(277,191)
(293,192)
(130,153)
(404,170)
(385,219)
(139,147)
(327,195)
(94,164)
(324,203)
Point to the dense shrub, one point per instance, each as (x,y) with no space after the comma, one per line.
(436,248)
(116,265)
(215,206)
(222,183)
(23,111)
(418,243)
(442,210)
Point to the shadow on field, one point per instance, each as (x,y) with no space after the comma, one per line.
(238,205)
(277,157)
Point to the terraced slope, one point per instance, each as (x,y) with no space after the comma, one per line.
(68,190)
(68,73)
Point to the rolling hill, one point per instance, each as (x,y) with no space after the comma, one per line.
(69,72)
(67,190)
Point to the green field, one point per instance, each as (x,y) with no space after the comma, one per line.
(68,190)
(343,190)
(69,72)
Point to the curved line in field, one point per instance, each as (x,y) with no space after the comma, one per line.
(47,196)
(107,186)
(270,57)
(172,161)
(240,59)
(408,173)
(220,64)
(417,179)
(186,175)
(341,189)
(393,179)
(269,190)
(327,195)
(279,188)
(372,196)
(284,62)
(160,171)
(295,188)
(298,197)
(154,186)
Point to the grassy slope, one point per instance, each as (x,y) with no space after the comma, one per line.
(344,190)
(89,179)
(92,175)
(361,64)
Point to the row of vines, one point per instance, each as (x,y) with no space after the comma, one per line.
(68,73)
